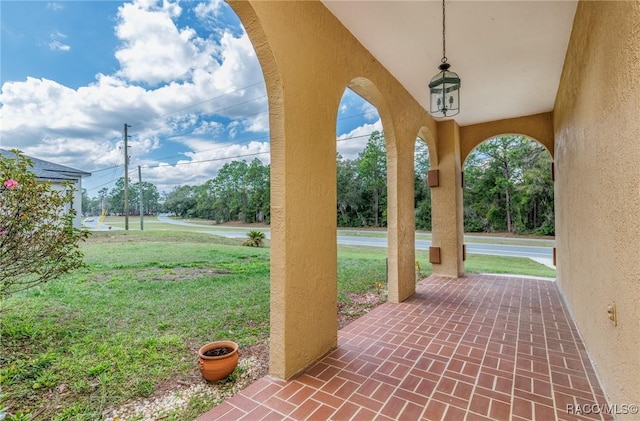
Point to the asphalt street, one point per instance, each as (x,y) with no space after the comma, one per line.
(533,252)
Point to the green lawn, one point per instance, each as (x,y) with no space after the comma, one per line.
(131,322)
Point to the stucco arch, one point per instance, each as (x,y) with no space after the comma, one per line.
(270,71)
(303,287)
(527,137)
(401,281)
(538,127)
(306,76)
(513,213)
(429,138)
(370,92)
(367,91)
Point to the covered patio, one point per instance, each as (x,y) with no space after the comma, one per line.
(478,347)
(501,348)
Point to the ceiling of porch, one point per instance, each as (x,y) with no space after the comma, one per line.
(508,54)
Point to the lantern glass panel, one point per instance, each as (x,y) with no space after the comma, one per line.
(445,94)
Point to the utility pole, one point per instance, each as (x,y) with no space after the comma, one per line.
(141,205)
(126,178)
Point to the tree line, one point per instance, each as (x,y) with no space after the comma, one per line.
(113,201)
(362,186)
(508,188)
(240,192)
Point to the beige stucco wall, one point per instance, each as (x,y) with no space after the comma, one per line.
(308,59)
(597,155)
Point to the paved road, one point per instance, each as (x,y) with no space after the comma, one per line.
(533,252)
(92,225)
(472,248)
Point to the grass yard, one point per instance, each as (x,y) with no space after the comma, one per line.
(128,326)
(131,322)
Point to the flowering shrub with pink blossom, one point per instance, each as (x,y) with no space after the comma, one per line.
(38,242)
(10,184)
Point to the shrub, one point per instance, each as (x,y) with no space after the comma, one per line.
(38,242)
(255,238)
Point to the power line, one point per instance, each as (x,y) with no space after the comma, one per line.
(229,157)
(247,141)
(126,177)
(217,110)
(104,184)
(243,117)
(212,160)
(261,139)
(197,104)
(105,169)
(244,142)
(208,160)
(222,146)
(218,147)
(355,137)
(241,156)
(249,115)
(224,95)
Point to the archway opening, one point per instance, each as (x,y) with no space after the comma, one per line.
(361,161)
(361,166)
(508,187)
(422,206)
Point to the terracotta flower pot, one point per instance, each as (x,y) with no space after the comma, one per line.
(217,367)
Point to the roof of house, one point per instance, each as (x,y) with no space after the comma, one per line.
(45,170)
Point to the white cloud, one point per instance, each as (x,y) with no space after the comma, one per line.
(240,66)
(351,144)
(370,111)
(154,50)
(171,83)
(58,46)
(210,14)
(203,164)
(208,10)
(234,128)
(57,35)
(55,6)
(258,123)
(208,127)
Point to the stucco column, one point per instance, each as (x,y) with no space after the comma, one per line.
(446,203)
(303,233)
(308,58)
(401,217)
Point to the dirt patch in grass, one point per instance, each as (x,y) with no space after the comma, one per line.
(177,396)
(123,237)
(357,306)
(174,274)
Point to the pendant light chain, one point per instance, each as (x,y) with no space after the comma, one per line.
(444,45)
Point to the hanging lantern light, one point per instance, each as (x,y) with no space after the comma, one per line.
(444,87)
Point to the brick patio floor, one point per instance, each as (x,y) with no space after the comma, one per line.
(479,347)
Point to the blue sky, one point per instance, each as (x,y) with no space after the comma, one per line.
(183,74)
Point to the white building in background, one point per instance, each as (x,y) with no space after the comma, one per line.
(57,175)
